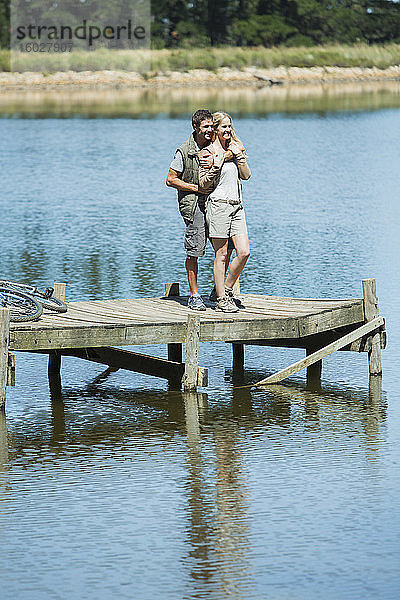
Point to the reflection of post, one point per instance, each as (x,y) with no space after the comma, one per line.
(200,508)
(192,415)
(375,390)
(232,543)
(242,401)
(58,418)
(3,441)
(373,414)
(4,341)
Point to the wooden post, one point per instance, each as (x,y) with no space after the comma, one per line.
(4,341)
(60,291)
(171,289)
(238,358)
(192,353)
(174,350)
(371,311)
(314,371)
(54,367)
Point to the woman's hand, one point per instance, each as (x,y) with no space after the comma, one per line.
(236,147)
(206,161)
(228,155)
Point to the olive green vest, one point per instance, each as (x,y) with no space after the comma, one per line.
(188,200)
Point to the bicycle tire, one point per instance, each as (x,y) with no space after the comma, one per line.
(22,307)
(51,303)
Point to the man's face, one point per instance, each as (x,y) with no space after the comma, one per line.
(205,130)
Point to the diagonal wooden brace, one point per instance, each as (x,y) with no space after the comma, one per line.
(323,352)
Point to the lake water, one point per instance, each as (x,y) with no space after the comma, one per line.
(123,491)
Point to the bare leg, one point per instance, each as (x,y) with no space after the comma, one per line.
(228,258)
(242,247)
(191,270)
(220,246)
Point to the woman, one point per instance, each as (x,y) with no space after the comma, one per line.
(222,165)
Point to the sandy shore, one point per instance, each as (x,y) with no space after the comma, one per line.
(251,76)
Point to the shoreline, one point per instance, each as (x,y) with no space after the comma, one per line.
(249,77)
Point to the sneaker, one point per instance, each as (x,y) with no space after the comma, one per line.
(213,296)
(226,305)
(196,303)
(230,295)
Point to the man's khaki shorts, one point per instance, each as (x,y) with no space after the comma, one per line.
(225,220)
(196,234)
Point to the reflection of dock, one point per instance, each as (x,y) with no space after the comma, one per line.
(91,330)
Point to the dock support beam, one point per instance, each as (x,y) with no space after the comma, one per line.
(192,353)
(4,341)
(314,371)
(54,367)
(238,358)
(174,350)
(371,311)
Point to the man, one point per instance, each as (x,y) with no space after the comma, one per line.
(183,175)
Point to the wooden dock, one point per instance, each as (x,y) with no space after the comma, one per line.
(95,330)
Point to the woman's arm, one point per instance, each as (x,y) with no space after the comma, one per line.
(207,174)
(239,153)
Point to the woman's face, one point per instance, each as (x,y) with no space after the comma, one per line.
(224,129)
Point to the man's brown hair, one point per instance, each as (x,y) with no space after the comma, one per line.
(200,115)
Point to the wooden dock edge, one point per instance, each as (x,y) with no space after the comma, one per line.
(369,337)
(314,357)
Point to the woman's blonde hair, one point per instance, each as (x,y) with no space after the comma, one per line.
(220,116)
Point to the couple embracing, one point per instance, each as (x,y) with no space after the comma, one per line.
(206,171)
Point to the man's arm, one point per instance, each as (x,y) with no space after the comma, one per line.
(173,180)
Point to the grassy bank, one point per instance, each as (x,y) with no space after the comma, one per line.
(161,61)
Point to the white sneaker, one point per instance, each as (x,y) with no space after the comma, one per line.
(226,305)
(231,296)
(196,303)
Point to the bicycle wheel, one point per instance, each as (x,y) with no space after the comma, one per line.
(22,307)
(51,303)
(47,301)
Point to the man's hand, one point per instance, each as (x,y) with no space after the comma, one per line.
(219,158)
(174,180)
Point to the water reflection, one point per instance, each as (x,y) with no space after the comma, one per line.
(3,442)
(214,440)
(256,100)
(134,412)
(218,533)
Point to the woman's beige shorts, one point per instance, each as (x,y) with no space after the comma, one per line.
(225,220)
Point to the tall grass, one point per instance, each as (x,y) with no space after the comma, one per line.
(156,61)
